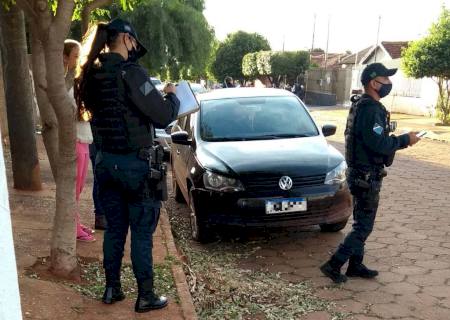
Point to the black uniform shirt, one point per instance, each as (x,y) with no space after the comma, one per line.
(372,143)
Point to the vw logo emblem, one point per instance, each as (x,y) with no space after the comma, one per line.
(285,183)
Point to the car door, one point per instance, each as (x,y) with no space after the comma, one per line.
(184,153)
(177,166)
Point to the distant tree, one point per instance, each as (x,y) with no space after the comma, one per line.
(249,66)
(228,61)
(317,50)
(276,65)
(429,57)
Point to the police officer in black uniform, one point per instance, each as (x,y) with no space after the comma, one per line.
(125,107)
(368,149)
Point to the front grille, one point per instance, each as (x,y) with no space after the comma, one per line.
(266,183)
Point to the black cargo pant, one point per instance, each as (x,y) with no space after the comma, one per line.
(127,203)
(365,205)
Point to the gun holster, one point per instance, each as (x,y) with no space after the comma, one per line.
(157,176)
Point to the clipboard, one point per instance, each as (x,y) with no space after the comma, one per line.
(188,100)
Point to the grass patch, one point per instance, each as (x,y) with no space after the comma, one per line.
(222,290)
(92,282)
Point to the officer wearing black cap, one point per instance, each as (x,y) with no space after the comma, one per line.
(368,149)
(125,107)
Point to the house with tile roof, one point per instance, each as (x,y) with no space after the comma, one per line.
(411,96)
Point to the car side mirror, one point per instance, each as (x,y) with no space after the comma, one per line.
(328,130)
(180,137)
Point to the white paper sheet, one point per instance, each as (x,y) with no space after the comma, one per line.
(188,101)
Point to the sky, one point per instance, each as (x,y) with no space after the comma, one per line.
(353,23)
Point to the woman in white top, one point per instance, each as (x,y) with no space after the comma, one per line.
(84,134)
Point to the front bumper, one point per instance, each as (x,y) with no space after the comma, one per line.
(325,205)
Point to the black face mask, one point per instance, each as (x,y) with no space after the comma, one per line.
(385,89)
(133,55)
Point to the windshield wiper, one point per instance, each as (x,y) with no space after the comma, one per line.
(227,139)
(279,136)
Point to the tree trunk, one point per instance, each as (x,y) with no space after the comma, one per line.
(48,116)
(3,116)
(63,244)
(25,162)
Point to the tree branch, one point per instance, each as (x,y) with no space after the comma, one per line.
(63,17)
(88,8)
(27,9)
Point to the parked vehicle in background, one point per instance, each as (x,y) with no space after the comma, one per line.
(157,83)
(255,157)
(198,88)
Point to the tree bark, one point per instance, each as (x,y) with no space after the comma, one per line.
(48,116)
(52,31)
(3,116)
(19,103)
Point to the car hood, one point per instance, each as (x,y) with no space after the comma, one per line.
(298,156)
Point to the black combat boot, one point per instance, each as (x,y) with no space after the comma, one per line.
(332,269)
(113,290)
(147,300)
(357,269)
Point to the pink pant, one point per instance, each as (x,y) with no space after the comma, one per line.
(82,167)
(82,151)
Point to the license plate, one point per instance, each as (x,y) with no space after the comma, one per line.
(274,206)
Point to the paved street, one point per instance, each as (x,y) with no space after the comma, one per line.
(410,245)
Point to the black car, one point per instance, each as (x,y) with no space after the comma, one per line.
(255,157)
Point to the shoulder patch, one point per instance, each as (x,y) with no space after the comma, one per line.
(145,88)
(378,129)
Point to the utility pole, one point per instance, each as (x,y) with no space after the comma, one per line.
(310,55)
(313,35)
(378,37)
(284,38)
(328,40)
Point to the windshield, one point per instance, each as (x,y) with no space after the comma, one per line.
(255,118)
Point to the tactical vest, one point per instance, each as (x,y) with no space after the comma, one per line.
(357,154)
(117,125)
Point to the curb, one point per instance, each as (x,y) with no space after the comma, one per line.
(186,303)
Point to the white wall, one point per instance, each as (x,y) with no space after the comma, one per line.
(9,288)
(410,96)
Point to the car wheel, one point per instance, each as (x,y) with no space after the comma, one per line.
(200,231)
(333,227)
(178,195)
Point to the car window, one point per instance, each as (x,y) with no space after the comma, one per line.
(255,118)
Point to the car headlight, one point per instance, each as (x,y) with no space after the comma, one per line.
(337,175)
(217,182)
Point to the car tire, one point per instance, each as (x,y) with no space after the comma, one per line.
(200,231)
(333,227)
(177,194)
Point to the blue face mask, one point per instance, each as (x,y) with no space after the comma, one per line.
(385,89)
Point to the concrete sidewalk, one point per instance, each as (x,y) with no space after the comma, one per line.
(50,299)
